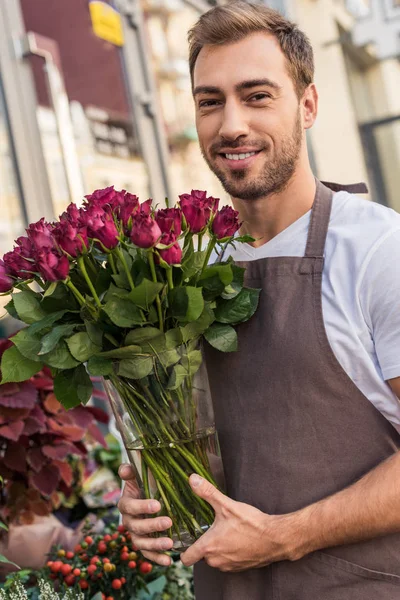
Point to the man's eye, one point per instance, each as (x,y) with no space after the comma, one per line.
(207,103)
(260,96)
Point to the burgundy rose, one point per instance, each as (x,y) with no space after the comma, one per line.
(41,234)
(17,265)
(145,207)
(52,265)
(145,232)
(72,214)
(172,255)
(225,223)
(128,208)
(169,219)
(105,197)
(6,283)
(100,225)
(198,208)
(71,238)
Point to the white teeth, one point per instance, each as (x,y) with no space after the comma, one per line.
(239,156)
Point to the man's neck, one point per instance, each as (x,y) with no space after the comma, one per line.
(264,218)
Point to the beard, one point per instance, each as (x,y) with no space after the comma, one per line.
(276,172)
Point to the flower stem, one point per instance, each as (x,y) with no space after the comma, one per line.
(76,293)
(211,246)
(82,267)
(199,241)
(150,256)
(170,279)
(112,263)
(121,257)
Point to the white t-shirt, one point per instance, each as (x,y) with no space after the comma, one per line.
(360,291)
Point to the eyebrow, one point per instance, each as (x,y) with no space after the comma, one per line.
(244,85)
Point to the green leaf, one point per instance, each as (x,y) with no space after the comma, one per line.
(186,303)
(121,280)
(51,289)
(196,328)
(123,312)
(122,352)
(3,559)
(177,377)
(28,344)
(99,366)
(169,357)
(191,361)
(244,239)
(47,321)
(240,308)
(236,285)
(81,346)
(94,332)
(136,368)
(15,367)
(224,272)
(193,263)
(3,526)
(61,299)
(173,337)
(103,280)
(113,290)
(28,307)
(141,335)
(10,308)
(51,339)
(212,287)
(60,357)
(73,387)
(145,293)
(222,337)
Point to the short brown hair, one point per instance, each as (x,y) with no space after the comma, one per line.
(232,22)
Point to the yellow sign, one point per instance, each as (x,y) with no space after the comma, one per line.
(106,22)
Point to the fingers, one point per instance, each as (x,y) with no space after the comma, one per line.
(160,559)
(126,472)
(209,492)
(146,526)
(161,544)
(135,506)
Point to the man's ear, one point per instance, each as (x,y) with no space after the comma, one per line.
(309,103)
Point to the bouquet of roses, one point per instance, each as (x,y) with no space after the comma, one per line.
(120,290)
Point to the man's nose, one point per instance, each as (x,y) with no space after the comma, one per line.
(234,123)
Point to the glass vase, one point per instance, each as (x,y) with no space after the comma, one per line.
(166,421)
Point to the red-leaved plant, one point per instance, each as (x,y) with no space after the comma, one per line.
(38,442)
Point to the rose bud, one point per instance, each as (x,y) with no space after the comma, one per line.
(172,255)
(107,197)
(226,223)
(71,238)
(72,214)
(145,232)
(52,265)
(40,234)
(198,209)
(101,226)
(145,207)
(6,283)
(170,219)
(128,208)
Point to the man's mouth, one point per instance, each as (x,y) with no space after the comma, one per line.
(239,159)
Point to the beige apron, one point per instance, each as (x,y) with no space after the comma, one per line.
(294,428)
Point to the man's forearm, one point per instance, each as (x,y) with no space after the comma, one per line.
(369,508)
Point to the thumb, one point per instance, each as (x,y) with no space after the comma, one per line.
(208,492)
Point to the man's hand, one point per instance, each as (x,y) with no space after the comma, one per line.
(133,511)
(241,537)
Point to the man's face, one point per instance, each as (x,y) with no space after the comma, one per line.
(248,116)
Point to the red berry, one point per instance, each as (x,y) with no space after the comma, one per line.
(78,548)
(132,564)
(145,568)
(70,555)
(106,560)
(116,584)
(91,569)
(121,528)
(107,538)
(123,580)
(123,539)
(89,540)
(115,536)
(94,560)
(83,584)
(103,596)
(110,598)
(76,572)
(66,569)
(56,566)
(101,548)
(70,580)
(124,556)
(49,563)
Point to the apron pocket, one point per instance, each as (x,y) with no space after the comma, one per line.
(349,567)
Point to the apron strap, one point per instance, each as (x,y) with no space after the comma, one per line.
(321,212)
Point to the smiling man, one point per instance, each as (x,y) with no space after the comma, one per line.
(307,410)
